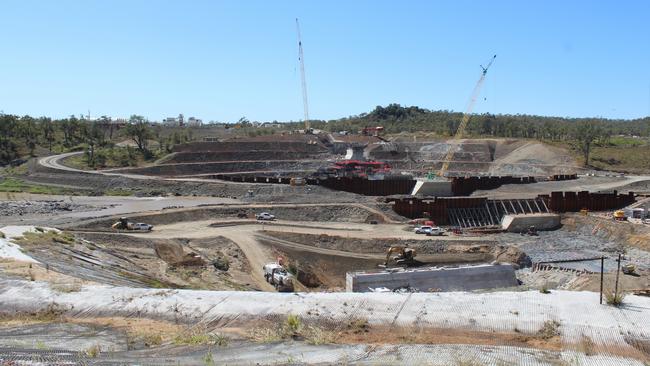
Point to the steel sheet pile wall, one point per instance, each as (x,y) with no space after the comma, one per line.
(576,201)
(563,177)
(464,186)
(367,187)
(437,208)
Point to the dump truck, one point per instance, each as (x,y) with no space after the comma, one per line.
(277,275)
(125,224)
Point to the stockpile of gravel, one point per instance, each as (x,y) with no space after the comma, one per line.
(13,208)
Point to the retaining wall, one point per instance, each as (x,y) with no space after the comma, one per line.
(576,201)
(519,223)
(435,279)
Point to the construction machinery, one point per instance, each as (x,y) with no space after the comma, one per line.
(463,123)
(400,255)
(125,224)
(301,58)
(619,215)
(277,275)
(629,269)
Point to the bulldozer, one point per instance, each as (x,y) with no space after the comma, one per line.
(401,255)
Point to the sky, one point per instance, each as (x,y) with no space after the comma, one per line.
(223,60)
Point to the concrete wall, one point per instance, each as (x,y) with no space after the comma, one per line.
(435,279)
(424,187)
(541,221)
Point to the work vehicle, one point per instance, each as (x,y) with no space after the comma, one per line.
(124,224)
(277,275)
(400,255)
(629,269)
(531,231)
(423,229)
(436,231)
(297,181)
(265,216)
(619,215)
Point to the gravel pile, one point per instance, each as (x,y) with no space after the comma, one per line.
(12,208)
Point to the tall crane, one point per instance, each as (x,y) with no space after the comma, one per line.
(466,115)
(301,58)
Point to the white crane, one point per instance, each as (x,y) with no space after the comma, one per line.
(301,58)
(463,123)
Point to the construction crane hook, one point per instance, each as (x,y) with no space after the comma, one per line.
(485,69)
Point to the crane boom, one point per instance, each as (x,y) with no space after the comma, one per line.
(301,58)
(466,115)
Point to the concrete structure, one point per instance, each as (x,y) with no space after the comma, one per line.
(521,222)
(438,188)
(464,278)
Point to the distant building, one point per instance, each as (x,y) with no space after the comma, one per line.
(174,121)
(194,122)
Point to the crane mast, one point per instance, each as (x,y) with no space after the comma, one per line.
(466,115)
(301,58)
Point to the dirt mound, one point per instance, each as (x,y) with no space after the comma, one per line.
(515,158)
(173,254)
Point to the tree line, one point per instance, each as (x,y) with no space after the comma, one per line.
(22,136)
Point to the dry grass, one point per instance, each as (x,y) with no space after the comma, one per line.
(66,287)
(587,346)
(550,329)
(93,351)
(200,336)
(45,238)
(614,299)
(53,313)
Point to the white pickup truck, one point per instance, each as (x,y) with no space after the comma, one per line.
(277,276)
(265,216)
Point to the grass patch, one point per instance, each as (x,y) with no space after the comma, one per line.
(614,299)
(112,157)
(2,235)
(46,238)
(118,192)
(632,158)
(293,328)
(66,287)
(15,185)
(198,336)
(93,351)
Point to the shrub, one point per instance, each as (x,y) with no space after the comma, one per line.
(614,299)
(293,323)
(549,329)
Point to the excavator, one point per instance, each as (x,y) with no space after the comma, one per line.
(401,255)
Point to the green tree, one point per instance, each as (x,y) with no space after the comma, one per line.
(48,131)
(29,133)
(586,133)
(8,131)
(139,131)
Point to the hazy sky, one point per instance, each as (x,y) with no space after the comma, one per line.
(221,60)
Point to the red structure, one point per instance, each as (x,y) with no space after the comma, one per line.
(372,131)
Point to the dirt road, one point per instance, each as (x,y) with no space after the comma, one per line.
(247,236)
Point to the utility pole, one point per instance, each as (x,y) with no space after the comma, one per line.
(617,272)
(301,58)
(602,270)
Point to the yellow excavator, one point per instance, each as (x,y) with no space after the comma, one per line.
(401,255)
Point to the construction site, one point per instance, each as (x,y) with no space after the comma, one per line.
(336,220)
(318,247)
